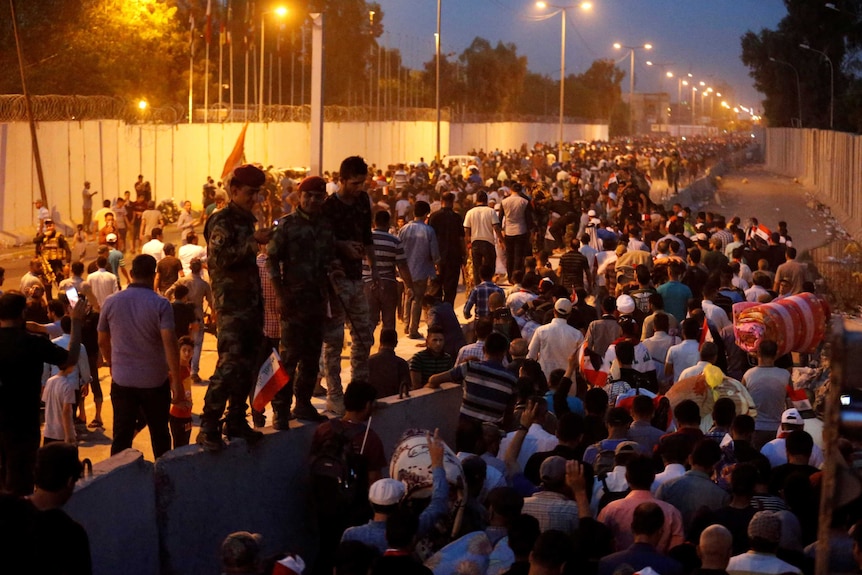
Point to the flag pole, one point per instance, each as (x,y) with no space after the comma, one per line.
(208,38)
(191,65)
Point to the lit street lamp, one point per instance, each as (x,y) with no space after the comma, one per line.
(281,12)
(831,80)
(583,6)
(662,66)
(680,82)
(631,50)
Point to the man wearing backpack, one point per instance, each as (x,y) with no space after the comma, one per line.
(617,516)
(601,455)
(612,486)
(346,458)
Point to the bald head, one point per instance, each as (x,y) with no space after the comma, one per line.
(714,547)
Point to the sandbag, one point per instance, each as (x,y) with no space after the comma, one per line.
(411,464)
(796,323)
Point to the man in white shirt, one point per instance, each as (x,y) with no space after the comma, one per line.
(537,439)
(155,247)
(482,228)
(517,233)
(191,250)
(554,343)
(686,354)
(708,355)
(102,283)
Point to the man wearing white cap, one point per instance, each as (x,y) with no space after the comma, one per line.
(776,452)
(554,343)
(384,495)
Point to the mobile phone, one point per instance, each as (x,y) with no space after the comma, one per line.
(72,295)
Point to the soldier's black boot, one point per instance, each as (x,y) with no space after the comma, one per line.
(239,428)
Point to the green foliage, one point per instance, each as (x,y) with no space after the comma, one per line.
(494,76)
(836,32)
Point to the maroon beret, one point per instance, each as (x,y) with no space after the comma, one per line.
(248,175)
(312,184)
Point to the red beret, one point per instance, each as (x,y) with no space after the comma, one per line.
(312,184)
(248,175)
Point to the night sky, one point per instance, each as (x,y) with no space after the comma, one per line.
(697,36)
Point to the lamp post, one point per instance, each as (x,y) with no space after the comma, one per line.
(437,40)
(680,82)
(662,66)
(798,92)
(631,50)
(281,11)
(831,80)
(583,6)
(693,96)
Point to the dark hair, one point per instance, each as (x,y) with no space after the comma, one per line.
(609,304)
(170,249)
(421,209)
(401,527)
(382,219)
(596,401)
(724,411)
(687,412)
(102,262)
(640,472)
(533,370)
(642,406)
(181,291)
(352,166)
(570,427)
(523,533)
(706,453)
(481,197)
(56,307)
(709,352)
(359,394)
(77,268)
(56,464)
(799,442)
(691,328)
(496,344)
(506,502)
(484,327)
(767,348)
(674,448)
(144,267)
(551,549)
(486,272)
(625,352)
(742,424)
(354,558)
(743,479)
(12,305)
(436,328)
(648,519)
(388,337)
(186,340)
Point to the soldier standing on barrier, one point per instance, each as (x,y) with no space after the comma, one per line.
(349,213)
(300,259)
(232,251)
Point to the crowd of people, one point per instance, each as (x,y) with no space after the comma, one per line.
(585,303)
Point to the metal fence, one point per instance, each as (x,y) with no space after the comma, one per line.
(828,162)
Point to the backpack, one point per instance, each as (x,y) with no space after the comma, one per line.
(608,496)
(339,476)
(604,463)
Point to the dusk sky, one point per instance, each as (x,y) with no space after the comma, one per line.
(697,36)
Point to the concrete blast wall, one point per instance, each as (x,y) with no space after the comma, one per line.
(171,518)
(177,158)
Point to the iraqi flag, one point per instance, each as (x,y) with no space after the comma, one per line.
(270,379)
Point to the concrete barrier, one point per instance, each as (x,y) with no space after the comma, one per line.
(171,517)
(117,507)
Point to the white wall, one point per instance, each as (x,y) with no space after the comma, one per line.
(177,158)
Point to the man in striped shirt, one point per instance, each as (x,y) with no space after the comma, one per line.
(382,296)
(489,389)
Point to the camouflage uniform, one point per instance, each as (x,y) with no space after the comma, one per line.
(300,254)
(232,253)
(350,222)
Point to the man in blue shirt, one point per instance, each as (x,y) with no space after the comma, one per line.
(479,295)
(420,245)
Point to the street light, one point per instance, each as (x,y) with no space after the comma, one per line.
(142,105)
(281,12)
(583,6)
(693,96)
(662,66)
(798,91)
(831,80)
(631,50)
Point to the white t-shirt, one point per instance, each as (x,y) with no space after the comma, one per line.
(188,252)
(481,221)
(58,391)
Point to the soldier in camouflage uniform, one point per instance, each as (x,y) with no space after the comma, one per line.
(301,256)
(349,213)
(232,251)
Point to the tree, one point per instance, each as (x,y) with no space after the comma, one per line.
(596,91)
(494,76)
(452,85)
(109,47)
(835,31)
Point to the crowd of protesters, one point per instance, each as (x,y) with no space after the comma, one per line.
(592,300)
